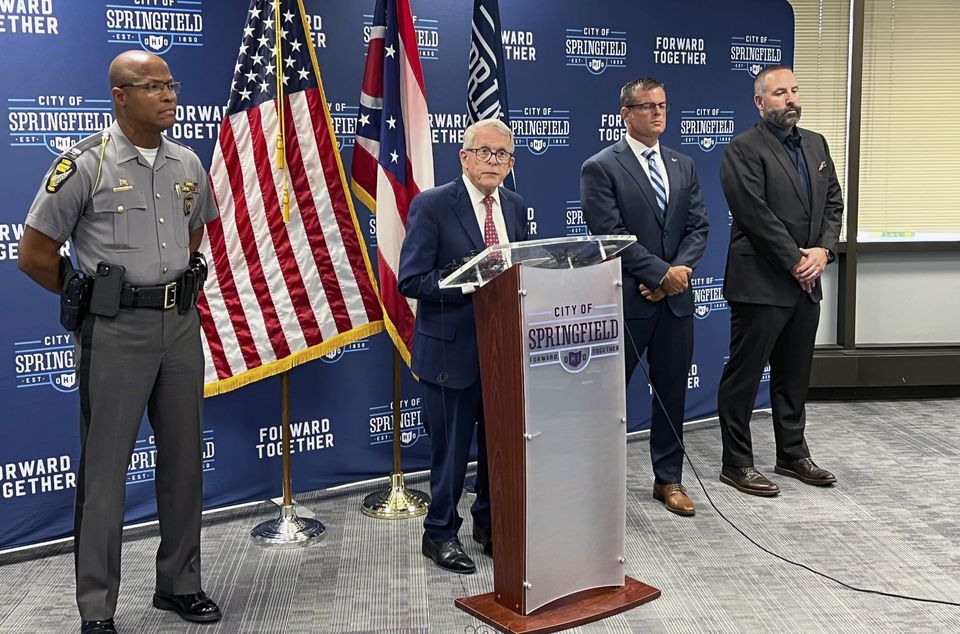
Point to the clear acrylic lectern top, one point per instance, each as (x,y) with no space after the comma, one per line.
(552,253)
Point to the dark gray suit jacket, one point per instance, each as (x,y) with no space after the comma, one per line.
(617,198)
(773,216)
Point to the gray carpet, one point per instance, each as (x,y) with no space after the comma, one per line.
(891,523)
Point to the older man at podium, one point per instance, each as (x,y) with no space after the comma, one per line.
(446,224)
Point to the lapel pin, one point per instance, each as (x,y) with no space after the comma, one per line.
(673,159)
(822,165)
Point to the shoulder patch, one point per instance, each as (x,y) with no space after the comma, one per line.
(63,170)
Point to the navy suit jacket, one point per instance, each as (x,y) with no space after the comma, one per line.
(617,198)
(773,216)
(442,228)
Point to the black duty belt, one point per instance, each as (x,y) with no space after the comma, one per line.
(163,296)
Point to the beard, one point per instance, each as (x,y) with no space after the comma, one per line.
(785,118)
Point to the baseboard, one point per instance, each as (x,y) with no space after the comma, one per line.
(916,371)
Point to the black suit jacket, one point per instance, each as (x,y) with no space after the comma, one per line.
(773,216)
(617,198)
(442,228)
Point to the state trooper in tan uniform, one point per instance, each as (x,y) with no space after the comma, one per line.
(134,204)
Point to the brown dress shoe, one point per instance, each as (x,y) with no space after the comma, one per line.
(674,497)
(805,470)
(748,480)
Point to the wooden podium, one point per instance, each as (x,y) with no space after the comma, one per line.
(549,319)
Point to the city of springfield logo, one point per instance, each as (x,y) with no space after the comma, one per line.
(707,296)
(706,127)
(428,36)
(361,345)
(47,361)
(411,426)
(576,225)
(344,117)
(751,53)
(596,48)
(155,25)
(56,122)
(572,335)
(143,460)
(539,128)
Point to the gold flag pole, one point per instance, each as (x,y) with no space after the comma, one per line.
(288,530)
(281,118)
(396,502)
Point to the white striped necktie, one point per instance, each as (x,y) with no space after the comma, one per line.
(656,179)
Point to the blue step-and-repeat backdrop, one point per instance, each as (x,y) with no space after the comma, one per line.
(566,61)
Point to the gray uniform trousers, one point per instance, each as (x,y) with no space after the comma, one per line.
(142,359)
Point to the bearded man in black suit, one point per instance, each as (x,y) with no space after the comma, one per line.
(783,193)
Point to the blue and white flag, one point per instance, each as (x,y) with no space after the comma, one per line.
(486,73)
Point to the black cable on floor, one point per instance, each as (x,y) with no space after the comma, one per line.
(743,533)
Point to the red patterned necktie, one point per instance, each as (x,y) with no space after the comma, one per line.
(489,229)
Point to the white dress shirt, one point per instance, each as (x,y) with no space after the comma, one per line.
(638,149)
(476,199)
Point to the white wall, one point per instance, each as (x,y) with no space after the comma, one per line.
(827,331)
(907,298)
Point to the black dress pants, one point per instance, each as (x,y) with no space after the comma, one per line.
(784,336)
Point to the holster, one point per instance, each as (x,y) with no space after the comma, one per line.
(191,282)
(74,297)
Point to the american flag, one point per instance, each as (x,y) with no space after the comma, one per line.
(393,154)
(486,72)
(279,294)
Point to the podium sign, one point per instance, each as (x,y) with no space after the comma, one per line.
(549,332)
(575,412)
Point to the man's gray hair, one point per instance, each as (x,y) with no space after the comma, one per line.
(496,124)
(762,77)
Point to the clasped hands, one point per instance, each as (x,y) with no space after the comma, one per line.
(810,267)
(674,282)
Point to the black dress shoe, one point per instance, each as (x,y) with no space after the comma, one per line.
(98,627)
(197,607)
(805,470)
(748,480)
(484,536)
(448,555)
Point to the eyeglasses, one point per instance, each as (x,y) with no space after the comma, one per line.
(484,154)
(154,88)
(649,106)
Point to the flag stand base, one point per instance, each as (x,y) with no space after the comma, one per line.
(288,531)
(396,503)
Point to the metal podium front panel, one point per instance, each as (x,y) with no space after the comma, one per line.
(575,408)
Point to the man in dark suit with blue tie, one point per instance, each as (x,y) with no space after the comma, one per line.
(641,188)
(444,225)
(785,199)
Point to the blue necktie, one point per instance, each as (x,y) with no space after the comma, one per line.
(656,180)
